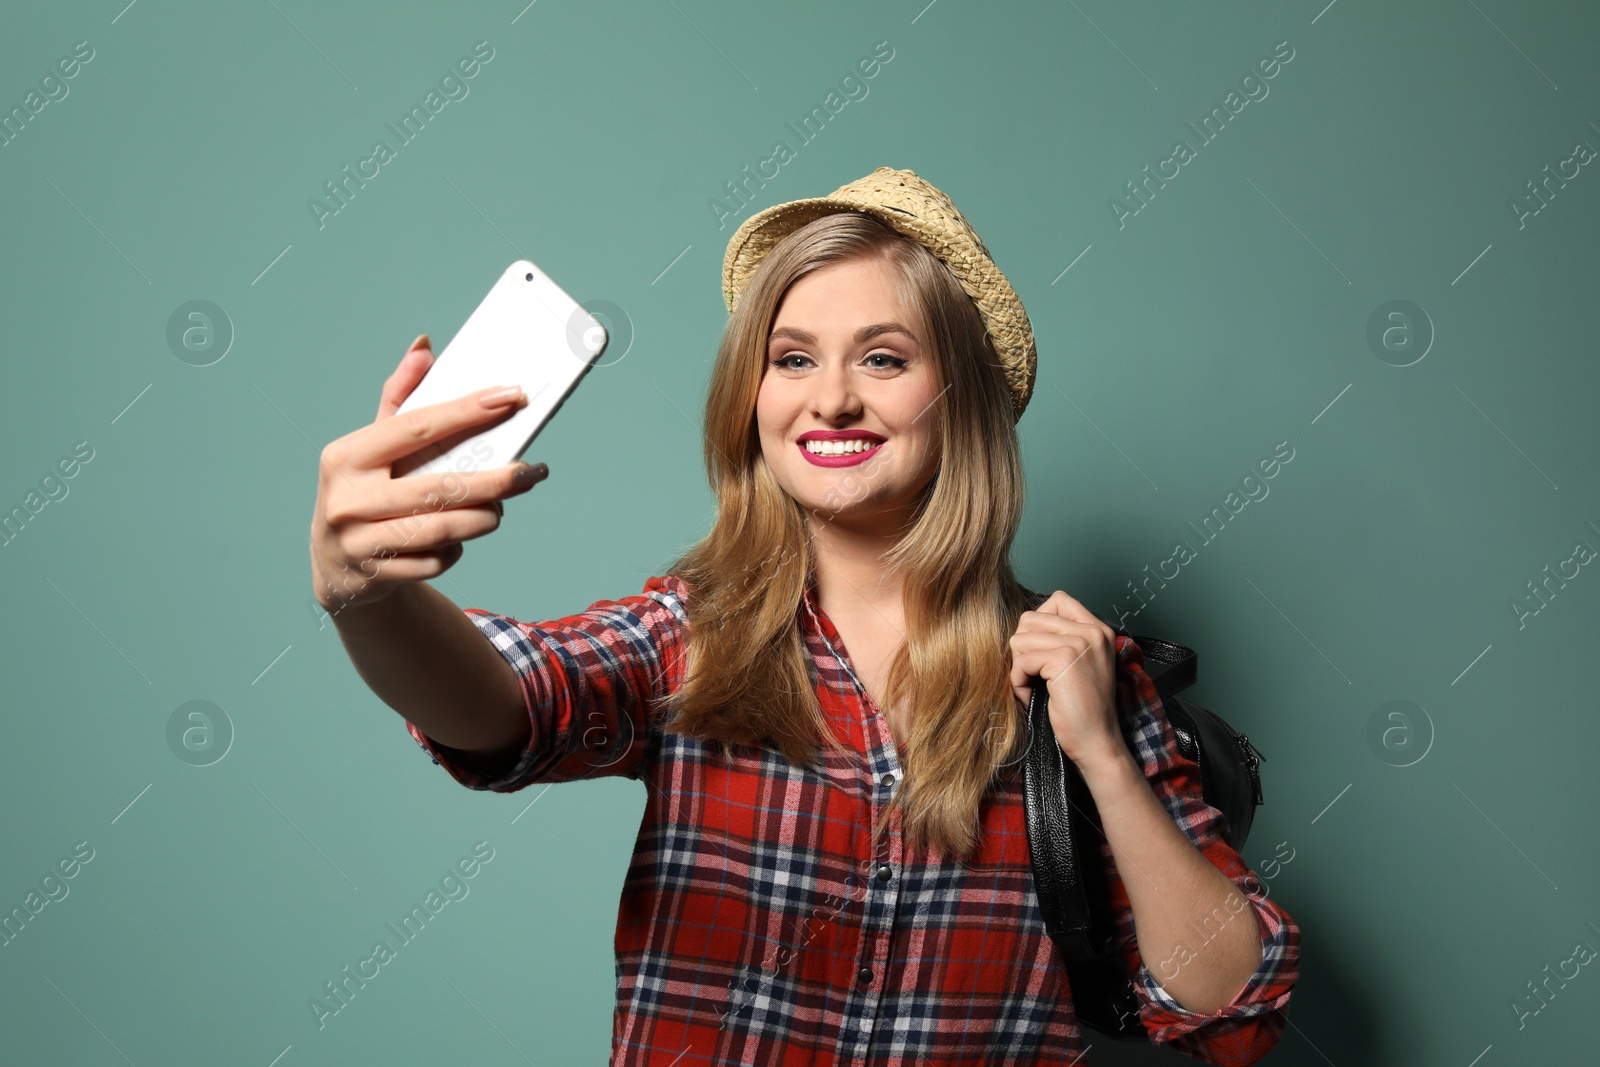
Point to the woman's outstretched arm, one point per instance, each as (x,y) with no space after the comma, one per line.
(424,658)
(375,539)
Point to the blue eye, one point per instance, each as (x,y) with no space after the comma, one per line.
(895,362)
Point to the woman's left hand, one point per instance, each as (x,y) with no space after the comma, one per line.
(1067,645)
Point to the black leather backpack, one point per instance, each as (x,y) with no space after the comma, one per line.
(1065,838)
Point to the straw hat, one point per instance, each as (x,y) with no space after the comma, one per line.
(919,211)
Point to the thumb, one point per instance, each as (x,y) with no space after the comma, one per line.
(413,366)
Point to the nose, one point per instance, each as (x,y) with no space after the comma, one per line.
(834,397)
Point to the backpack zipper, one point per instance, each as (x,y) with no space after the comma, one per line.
(1250,758)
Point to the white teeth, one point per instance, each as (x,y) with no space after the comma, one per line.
(837,448)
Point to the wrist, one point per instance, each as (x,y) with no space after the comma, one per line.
(353,612)
(1110,766)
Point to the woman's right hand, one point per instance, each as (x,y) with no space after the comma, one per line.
(371,532)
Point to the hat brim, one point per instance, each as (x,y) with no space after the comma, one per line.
(761,232)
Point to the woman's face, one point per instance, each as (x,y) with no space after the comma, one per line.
(843,363)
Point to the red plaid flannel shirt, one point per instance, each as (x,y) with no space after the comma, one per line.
(755,927)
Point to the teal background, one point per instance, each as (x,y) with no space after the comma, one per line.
(1228,315)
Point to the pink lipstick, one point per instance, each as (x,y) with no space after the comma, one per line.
(870,444)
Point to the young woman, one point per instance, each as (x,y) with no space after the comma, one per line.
(826,696)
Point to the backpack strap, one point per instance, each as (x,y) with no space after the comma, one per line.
(1062,831)
(1064,838)
(1173,667)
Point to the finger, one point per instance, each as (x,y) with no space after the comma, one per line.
(1059,603)
(454,527)
(1049,655)
(1050,622)
(379,445)
(374,545)
(446,423)
(416,566)
(1069,647)
(1040,622)
(1027,661)
(427,494)
(1021,680)
(413,366)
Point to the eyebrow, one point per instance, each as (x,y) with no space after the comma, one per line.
(866,333)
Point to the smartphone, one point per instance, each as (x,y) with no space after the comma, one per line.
(527,331)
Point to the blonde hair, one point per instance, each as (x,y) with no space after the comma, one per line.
(748,679)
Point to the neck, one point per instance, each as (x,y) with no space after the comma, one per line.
(852,577)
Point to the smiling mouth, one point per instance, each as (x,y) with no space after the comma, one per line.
(839,448)
(838,453)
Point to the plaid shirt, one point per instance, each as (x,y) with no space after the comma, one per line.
(755,927)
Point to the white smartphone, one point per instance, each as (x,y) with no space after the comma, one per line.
(527,331)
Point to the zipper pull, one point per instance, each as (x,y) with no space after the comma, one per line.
(1250,758)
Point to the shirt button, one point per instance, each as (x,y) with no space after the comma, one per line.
(865,975)
(884,872)
(886,780)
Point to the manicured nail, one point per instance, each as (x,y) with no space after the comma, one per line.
(506,394)
(421,342)
(526,476)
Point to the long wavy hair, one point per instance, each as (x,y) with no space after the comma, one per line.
(748,680)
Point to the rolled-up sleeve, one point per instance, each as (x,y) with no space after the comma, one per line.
(1243,1030)
(591,682)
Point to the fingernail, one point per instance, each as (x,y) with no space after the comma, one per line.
(421,342)
(506,394)
(527,476)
